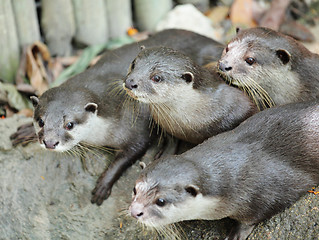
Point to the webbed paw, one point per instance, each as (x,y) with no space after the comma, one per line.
(24,135)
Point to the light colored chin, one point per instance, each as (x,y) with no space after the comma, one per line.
(228,78)
(235,83)
(153,224)
(157,223)
(129,92)
(141,99)
(64,148)
(58,149)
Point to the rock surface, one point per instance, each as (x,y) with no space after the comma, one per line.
(188,17)
(46,195)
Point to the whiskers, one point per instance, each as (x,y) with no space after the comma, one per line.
(125,102)
(260,97)
(82,150)
(134,108)
(167,232)
(256,93)
(161,113)
(168,118)
(125,213)
(115,88)
(172,231)
(91,148)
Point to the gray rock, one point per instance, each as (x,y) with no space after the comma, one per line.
(188,17)
(46,195)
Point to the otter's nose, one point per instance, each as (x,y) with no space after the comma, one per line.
(136,210)
(223,67)
(50,144)
(130,84)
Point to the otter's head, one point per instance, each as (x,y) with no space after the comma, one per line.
(169,191)
(257,60)
(157,72)
(254,53)
(63,118)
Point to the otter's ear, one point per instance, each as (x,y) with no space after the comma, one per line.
(283,55)
(142,47)
(188,77)
(192,190)
(143,165)
(237,30)
(91,107)
(35,101)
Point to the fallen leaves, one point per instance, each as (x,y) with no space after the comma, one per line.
(241,13)
(35,65)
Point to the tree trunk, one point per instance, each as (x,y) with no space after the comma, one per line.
(149,12)
(58,26)
(26,21)
(9,44)
(91,22)
(119,15)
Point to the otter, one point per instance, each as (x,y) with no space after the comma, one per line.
(89,107)
(190,102)
(86,113)
(274,69)
(248,174)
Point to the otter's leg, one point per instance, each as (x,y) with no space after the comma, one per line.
(123,160)
(240,231)
(24,135)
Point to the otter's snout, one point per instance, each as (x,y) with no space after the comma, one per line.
(136,210)
(49,144)
(224,67)
(130,84)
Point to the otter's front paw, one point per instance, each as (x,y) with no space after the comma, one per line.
(101,191)
(24,135)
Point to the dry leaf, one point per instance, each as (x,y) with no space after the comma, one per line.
(26,112)
(241,13)
(57,67)
(37,57)
(218,14)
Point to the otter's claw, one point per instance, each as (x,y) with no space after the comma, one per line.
(24,135)
(101,191)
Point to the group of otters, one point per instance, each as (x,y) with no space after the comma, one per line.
(250,160)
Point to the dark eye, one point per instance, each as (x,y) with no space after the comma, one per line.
(160,202)
(134,191)
(69,125)
(227,49)
(156,78)
(250,60)
(41,123)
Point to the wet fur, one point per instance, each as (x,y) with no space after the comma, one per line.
(284,71)
(252,172)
